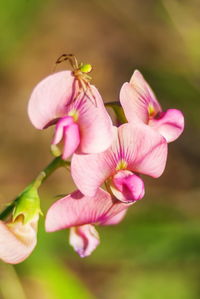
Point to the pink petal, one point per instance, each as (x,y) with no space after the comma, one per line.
(169,124)
(134,105)
(59,130)
(68,130)
(50,97)
(84,239)
(141,85)
(77,209)
(126,186)
(17,240)
(144,149)
(71,140)
(115,219)
(94,123)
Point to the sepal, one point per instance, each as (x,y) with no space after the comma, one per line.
(27,204)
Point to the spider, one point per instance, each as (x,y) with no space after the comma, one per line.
(80,72)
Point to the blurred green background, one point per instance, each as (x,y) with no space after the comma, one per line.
(155,251)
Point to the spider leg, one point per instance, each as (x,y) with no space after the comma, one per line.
(72,60)
(80,89)
(88,88)
(85,89)
(87,77)
(61,58)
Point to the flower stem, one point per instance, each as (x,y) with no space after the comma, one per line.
(43,175)
(116,106)
(47,171)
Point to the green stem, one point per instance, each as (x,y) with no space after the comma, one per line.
(119,112)
(43,175)
(46,172)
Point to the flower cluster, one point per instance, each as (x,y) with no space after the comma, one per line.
(102,155)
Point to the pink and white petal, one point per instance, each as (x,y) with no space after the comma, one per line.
(143,148)
(115,219)
(143,88)
(50,97)
(90,171)
(170,124)
(71,140)
(95,124)
(134,104)
(77,209)
(17,240)
(84,239)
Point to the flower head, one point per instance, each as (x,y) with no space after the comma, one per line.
(136,149)
(81,125)
(140,105)
(80,213)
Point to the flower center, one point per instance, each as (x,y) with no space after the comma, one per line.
(122,164)
(151,111)
(74,113)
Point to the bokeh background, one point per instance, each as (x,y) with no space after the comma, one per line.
(155,251)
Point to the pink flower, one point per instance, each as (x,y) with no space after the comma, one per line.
(17,239)
(136,149)
(80,213)
(140,105)
(82,125)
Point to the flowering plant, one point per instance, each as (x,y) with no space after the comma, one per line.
(98,153)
